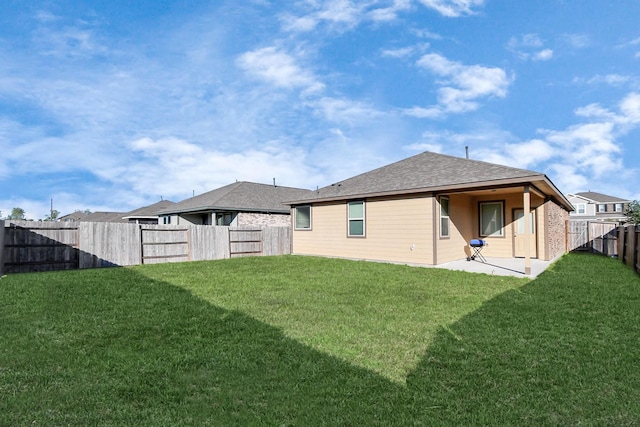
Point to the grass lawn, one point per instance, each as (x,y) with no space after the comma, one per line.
(311,341)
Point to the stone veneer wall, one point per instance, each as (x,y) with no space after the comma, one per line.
(556,227)
(246,219)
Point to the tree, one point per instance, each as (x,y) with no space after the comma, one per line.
(53,216)
(633,212)
(17,214)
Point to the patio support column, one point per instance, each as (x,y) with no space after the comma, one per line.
(527,229)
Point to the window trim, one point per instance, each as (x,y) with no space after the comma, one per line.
(602,208)
(501,227)
(295,218)
(620,205)
(584,208)
(363,219)
(446,217)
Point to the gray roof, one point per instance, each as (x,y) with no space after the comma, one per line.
(149,211)
(430,172)
(74,217)
(104,217)
(600,198)
(241,196)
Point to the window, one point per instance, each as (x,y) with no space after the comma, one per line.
(356,218)
(166,220)
(303,217)
(602,208)
(491,219)
(581,209)
(618,207)
(444,217)
(225,218)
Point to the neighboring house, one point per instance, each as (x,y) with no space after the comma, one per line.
(593,206)
(238,204)
(426,209)
(74,217)
(148,214)
(104,217)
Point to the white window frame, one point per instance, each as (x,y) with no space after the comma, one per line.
(445,217)
(500,227)
(581,208)
(619,207)
(351,219)
(602,208)
(296,210)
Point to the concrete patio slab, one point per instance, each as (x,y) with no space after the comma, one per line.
(498,266)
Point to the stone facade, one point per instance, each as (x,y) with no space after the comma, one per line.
(248,219)
(556,224)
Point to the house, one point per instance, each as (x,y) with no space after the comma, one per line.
(592,206)
(238,204)
(76,216)
(426,209)
(147,214)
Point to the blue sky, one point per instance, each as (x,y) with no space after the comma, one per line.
(113,105)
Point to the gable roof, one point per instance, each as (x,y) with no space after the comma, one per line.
(430,172)
(599,197)
(73,217)
(150,211)
(241,196)
(104,217)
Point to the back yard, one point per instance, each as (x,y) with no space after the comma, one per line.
(310,341)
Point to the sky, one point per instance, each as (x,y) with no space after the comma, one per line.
(111,105)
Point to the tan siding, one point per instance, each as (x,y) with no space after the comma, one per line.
(502,247)
(397,230)
(463,214)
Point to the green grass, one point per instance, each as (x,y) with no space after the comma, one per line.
(310,341)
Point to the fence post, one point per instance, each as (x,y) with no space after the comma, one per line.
(1,247)
(631,247)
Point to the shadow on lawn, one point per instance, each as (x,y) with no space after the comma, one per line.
(549,353)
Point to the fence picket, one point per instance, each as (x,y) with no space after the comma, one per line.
(36,245)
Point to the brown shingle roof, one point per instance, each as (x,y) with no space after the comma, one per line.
(241,196)
(425,171)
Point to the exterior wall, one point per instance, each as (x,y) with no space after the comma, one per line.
(555,225)
(397,230)
(244,219)
(463,219)
(195,219)
(503,246)
(403,230)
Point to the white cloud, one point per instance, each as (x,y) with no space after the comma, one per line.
(543,55)
(278,68)
(525,155)
(609,79)
(528,46)
(389,13)
(630,108)
(577,41)
(342,110)
(338,14)
(344,15)
(173,167)
(424,113)
(453,8)
(463,85)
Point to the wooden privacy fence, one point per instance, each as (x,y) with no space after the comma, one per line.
(44,246)
(629,246)
(592,236)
